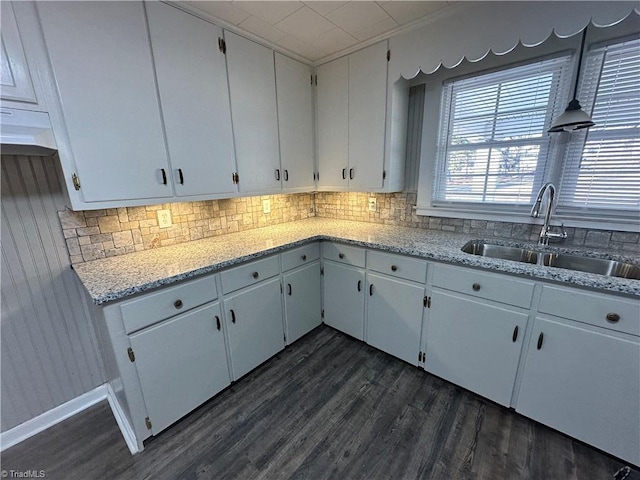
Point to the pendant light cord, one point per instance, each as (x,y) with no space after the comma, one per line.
(584,37)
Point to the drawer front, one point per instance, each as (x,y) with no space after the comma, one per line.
(154,307)
(343,254)
(249,274)
(398,266)
(491,286)
(300,256)
(608,311)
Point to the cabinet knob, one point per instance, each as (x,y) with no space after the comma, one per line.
(394,268)
(304,258)
(177,303)
(613,317)
(341,255)
(476,287)
(255,274)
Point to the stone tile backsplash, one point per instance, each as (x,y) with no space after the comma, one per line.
(95,234)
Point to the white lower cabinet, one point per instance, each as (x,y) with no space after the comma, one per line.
(343,301)
(585,382)
(394,316)
(181,363)
(474,344)
(254,322)
(302,302)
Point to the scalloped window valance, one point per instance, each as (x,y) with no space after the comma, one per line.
(476,28)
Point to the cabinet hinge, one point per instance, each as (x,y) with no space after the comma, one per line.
(132,356)
(322,271)
(76,181)
(388,55)
(427,302)
(147,422)
(322,314)
(384,174)
(281,287)
(235,177)
(222,45)
(311,79)
(421,357)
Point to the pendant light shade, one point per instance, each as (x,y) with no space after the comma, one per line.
(574,118)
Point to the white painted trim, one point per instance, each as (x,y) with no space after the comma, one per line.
(52,417)
(121,420)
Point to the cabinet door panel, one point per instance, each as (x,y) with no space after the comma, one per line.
(109,99)
(15,77)
(367,114)
(302,301)
(394,317)
(181,363)
(252,86)
(254,319)
(470,344)
(343,300)
(332,109)
(192,80)
(295,123)
(584,383)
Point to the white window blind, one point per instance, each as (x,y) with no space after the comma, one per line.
(493,143)
(601,168)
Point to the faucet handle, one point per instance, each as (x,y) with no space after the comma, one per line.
(556,236)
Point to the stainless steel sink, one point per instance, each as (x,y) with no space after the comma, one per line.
(600,266)
(516,254)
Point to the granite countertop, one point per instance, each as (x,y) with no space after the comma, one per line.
(119,277)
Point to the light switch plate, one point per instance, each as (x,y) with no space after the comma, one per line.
(373,204)
(266,206)
(164,218)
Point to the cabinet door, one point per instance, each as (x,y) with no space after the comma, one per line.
(585,383)
(181,363)
(295,123)
(252,86)
(254,319)
(367,113)
(15,78)
(192,80)
(394,318)
(474,345)
(109,99)
(332,108)
(344,299)
(302,304)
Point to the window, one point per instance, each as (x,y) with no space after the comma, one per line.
(601,169)
(493,141)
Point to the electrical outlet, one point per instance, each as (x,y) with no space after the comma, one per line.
(266,206)
(164,218)
(373,204)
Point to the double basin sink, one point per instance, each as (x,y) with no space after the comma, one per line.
(611,268)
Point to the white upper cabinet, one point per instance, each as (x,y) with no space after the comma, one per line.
(101,60)
(367,110)
(332,110)
(15,78)
(252,86)
(357,149)
(295,123)
(192,82)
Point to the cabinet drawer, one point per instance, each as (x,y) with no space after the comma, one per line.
(343,254)
(398,266)
(499,288)
(248,274)
(608,311)
(300,256)
(154,307)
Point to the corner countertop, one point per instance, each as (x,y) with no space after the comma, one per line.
(118,277)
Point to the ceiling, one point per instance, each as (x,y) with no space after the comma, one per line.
(318,29)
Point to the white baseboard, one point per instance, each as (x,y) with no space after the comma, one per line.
(76,405)
(121,420)
(48,419)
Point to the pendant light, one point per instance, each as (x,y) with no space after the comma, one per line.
(574,118)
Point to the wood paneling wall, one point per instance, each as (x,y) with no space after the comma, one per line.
(49,351)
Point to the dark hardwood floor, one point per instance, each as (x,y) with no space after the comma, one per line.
(328,407)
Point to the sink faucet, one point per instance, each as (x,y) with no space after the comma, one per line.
(546,234)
